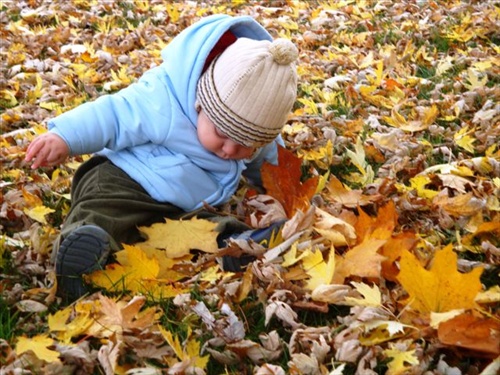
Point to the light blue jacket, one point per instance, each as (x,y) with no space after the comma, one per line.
(149,128)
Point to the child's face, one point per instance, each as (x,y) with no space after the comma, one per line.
(213,140)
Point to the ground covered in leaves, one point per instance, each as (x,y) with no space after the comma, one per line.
(389,260)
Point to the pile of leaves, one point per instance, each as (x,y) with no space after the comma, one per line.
(388,261)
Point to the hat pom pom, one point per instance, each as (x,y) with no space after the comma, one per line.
(284,52)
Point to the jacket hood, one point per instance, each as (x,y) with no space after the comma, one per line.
(185,56)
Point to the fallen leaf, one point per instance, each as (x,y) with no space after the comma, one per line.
(319,271)
(178,237)
(441,288)
(284,182)
(371,295)
(362,260)
(401,361)
(39,344)
(471,332)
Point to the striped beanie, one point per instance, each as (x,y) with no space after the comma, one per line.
(249,90)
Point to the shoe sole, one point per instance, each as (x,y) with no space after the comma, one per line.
(84,250)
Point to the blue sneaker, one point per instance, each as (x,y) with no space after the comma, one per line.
(261,236)
(84,250)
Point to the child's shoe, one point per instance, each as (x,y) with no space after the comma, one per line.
(261,236)
(84,250)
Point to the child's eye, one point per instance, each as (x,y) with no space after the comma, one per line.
(219,133)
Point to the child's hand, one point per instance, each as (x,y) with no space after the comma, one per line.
(47,149)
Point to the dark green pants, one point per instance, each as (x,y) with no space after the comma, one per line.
(104,195)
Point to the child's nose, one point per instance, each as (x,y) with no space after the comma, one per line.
(230,148)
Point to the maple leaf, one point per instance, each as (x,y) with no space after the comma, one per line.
(379,227)
(392,250)
(357,158)
(39,344)
(442,287)
(463,139)
(460,205)
(137,268)
(475,80)
(190,351)
(401,361)
(64,329)
(347,197)
(335,230)
(283,182)
(321,156)
(419,184)
(362,260)
(378,331)
(320,272)
(118,316)
(178,237)
(371,296)
(471,332)
(138,272)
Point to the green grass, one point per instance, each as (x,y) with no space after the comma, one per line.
(9,318)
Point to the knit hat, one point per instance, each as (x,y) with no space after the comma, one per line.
(249,90)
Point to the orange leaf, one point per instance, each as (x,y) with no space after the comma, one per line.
(470,332)
(441,288)
(392,251)
(363,260)
(283,182)
(348,198)
(380,227)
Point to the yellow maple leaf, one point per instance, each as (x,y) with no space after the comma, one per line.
(475,79)
(82,320)
(371,295)
(117,277)
(178,237)
(401,361)
(291,257)
(320,272)
(464,140)
(38,213)
(378,331)
(419,182)
(321,156)
(39,345)
(441,288)
(357,158)
(191,349)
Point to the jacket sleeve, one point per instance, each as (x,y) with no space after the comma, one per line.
(136,115)
(268,153)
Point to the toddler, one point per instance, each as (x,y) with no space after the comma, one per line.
(178,138)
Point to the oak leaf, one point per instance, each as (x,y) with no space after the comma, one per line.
(442,287)
(284,182)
